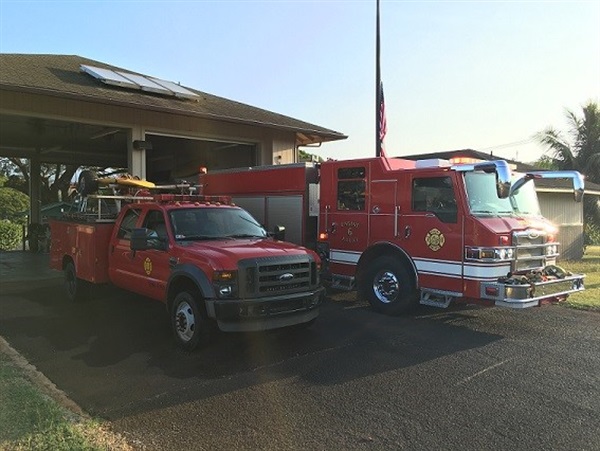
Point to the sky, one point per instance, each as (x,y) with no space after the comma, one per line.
(484,75)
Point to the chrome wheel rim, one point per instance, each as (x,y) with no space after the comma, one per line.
(185,321)
(386,287)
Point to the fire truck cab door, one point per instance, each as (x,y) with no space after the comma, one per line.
(430,230)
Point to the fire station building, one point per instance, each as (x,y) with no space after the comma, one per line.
(72,110)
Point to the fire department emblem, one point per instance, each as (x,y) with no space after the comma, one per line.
(435,240)
(148,265)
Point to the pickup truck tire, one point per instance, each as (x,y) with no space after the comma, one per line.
(389,287)
(190,326)
(76,288)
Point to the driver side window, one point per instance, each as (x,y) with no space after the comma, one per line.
(155,221)
(435,195)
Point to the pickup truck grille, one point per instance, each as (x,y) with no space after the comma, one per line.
(276,275)
(530,250)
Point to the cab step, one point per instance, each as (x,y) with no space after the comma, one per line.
(437,298)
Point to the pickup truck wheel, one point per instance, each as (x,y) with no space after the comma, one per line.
(74,286)
(389,287)
(190,327)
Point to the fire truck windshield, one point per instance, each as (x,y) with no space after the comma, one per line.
(214,223)
(483,200)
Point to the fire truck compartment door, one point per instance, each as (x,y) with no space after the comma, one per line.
(383,212)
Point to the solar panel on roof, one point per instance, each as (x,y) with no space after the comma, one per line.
(109,77)
(128,80)
(146,84)
(179,91)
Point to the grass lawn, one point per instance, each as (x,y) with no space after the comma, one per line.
(590,266)
(30,420)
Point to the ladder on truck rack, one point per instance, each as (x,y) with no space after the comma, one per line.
(102,207)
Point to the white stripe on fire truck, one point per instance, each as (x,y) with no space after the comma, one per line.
(344,257)
(448,268)
(485,272)
(438,267)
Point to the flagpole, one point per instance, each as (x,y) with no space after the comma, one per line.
(377,90)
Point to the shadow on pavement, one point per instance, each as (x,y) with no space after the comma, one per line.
(114,354)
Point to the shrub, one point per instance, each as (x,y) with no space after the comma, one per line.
(13,205)
(591,234)
(11,235)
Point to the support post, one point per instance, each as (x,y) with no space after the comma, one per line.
(35,201)
(136,158)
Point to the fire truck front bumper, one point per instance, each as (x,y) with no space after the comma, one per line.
(249,315)
(523,293)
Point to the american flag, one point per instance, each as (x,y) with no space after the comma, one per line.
(382,120)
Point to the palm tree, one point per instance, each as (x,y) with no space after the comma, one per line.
(580,151)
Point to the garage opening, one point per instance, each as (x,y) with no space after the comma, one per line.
(174,158)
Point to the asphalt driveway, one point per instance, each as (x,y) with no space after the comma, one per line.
(438,379)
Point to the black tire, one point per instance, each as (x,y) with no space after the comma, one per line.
(87,183)
(76,288)
(389,287)
(191,328)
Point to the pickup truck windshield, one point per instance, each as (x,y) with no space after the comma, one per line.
(483,200)
(214,223)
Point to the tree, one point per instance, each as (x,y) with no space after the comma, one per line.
(579,149)
(55,178)
(545,162)
(13,205)
(305,156)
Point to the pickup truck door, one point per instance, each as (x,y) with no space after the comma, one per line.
(152,265)
(121,265)
(144,272)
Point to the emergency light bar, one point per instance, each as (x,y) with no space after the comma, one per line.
(163,198)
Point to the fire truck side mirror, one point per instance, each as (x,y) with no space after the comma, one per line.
(279,233)
(503,180)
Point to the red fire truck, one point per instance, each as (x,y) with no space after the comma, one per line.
(403,232)
(208,260)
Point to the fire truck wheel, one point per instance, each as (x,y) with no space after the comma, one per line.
(190,326)
(87,183)
(75,287)
(389,287)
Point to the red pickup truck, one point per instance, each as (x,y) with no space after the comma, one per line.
(205,258)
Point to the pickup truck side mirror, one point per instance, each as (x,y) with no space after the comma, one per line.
(139,240)
(142,239)
(279,232)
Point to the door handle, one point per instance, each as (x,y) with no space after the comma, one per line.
(407,232)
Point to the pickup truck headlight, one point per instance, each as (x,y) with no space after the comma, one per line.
(490,254)
(225,283)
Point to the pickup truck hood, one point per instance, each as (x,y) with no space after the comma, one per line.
(226,253)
